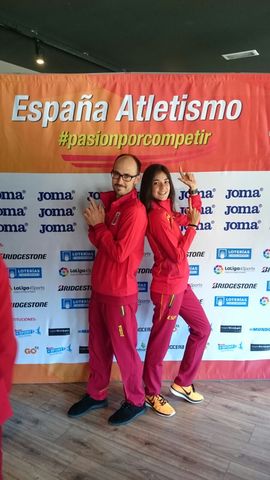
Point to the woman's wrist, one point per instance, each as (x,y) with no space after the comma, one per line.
(193,225)
(193,191)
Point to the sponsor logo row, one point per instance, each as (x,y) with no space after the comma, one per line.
(194,270)
(45,228)
(70,194)
(29,332)
(89,255)
(84,350)
(219,301)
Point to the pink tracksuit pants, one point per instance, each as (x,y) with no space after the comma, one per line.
(113,331)
(166,310)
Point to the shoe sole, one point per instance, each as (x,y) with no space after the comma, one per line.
(185,397)
(148,405)
(127,421)
(93,407)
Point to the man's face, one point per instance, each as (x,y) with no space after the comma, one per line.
(124,166)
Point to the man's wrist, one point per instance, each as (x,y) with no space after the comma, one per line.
(98,224)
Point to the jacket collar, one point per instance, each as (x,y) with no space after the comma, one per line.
(162,204)
(109,198)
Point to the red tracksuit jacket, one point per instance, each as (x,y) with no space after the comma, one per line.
(7,344)
(171,270)
(120,244)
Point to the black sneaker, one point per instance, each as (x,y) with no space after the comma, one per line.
(85,404)
(126,413)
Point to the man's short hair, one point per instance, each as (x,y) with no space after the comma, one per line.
(136,160)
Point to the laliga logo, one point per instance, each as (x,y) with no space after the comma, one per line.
(63,271)
(264,301)
(218,269)
(266,253)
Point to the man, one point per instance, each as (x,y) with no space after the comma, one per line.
(7,350)
(117,231)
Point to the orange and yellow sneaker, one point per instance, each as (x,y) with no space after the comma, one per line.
(160,405)
(188,393)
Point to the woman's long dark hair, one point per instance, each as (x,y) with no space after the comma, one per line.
(146,196)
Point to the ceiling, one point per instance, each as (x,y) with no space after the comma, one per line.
(142,36)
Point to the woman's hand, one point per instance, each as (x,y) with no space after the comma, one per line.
(188,179)
(193,214)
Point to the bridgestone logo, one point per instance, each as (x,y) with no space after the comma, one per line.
(24,256)
(30,304)
(68,288)
(235,285)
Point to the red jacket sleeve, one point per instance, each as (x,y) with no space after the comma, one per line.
(7,343)
(172,246)
(196,202)
(92,235)
(131,230)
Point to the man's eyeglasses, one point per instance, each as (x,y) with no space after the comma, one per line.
(125,176)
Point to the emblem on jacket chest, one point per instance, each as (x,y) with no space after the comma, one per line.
(170,219)
(115,218)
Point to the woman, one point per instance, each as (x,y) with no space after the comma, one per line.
(170,292)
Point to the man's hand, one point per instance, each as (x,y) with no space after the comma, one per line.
(94,214)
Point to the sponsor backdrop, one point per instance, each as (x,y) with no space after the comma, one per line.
(59,135)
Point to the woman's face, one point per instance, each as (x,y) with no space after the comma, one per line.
(161,186)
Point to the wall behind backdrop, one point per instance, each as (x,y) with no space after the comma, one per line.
(59,136)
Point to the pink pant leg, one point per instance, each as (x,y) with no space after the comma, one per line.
(194,315)
(166,312)
(122,324)
(1,453)
(100,352)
